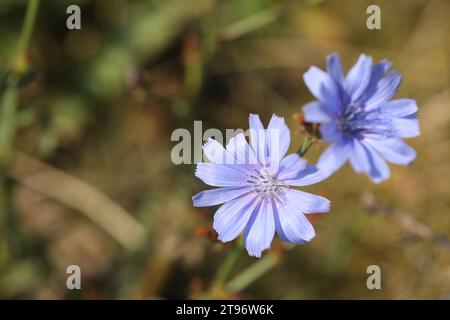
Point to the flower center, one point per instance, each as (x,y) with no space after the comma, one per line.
(360,123)
(265,184)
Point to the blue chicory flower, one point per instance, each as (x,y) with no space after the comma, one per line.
(253,184)
(358,117)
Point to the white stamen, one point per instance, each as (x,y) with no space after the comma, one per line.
(265,184)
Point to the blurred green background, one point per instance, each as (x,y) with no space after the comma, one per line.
(85,124)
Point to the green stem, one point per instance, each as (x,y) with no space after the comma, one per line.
(306,145)
(252,273)
(251,23)
(228,264)
(261,19)
(27,27)
(8,121)
(8,99)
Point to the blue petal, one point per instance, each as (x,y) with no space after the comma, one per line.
(291,166)
(257,138)
(314,112)
(239,148)
(307,202)
(255,122)
(324,88)
(359,158)
(223,175)
(334,157)
(394,150)
(400,107)
(278,139)
(216,153)
(330,133)
(407,127)
(260,230)
(378,72)
(291,224)
(379,170)
(386,89)
(217,196)
(232,217)
(358,77)
(310,175)
(334,68)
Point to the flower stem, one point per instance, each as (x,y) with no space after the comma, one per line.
(251,23)
(9,97)
(252,273)
(228,264)
(27,27)
(307,143)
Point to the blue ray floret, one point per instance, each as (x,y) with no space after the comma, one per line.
(359,119)
(253,187)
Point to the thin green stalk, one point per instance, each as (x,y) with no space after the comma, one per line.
(252,273)
(27,27)
(251,23)
(228,264)
(8,121)
(306,145)
(9,97)
(261,19)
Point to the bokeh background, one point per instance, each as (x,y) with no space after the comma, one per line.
(87,179)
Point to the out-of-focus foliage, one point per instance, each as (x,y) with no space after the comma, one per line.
(90,180)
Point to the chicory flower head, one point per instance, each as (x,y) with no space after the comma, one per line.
(254,182)
(358,117)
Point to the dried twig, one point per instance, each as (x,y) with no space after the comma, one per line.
(404,220)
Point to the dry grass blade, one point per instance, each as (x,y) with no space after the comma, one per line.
(404,220)
(80,196)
